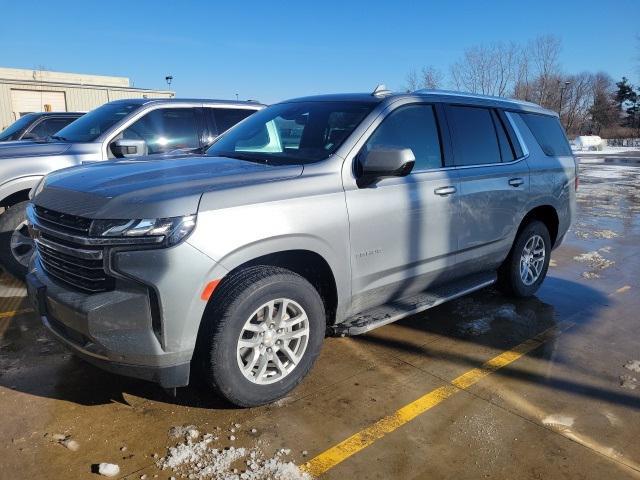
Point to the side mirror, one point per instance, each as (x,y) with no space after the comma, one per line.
(128,148)
(381,162)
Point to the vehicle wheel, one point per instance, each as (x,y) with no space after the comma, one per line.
(16,246)
(526,266)
(261,335)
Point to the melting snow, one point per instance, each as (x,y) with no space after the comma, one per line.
(197,459)
(558,420)
(108,469)
(633,365)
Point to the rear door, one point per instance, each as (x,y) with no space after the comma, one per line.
(494,185)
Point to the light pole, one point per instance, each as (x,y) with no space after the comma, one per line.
(168,79)
(566,84)
(236,97)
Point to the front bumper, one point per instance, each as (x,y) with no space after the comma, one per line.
(146,327)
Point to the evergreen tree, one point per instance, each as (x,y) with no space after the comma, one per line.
(628,102)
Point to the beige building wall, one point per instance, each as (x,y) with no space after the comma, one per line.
(82,92)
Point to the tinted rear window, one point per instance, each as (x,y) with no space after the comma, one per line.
(548,132)
(228,117)
(474,137)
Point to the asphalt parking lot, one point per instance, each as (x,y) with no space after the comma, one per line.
(482,387)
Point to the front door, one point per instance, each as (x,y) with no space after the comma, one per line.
(403,229)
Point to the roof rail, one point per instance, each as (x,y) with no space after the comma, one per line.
(380,90)
(456,93)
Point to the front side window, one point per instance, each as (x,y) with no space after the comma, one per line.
(292,133)
(411,127)
(166,129)
(548,132)
(475,141)
(93,124)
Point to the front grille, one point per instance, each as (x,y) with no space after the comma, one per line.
(66,260)
(63,222)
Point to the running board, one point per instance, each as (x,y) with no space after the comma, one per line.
(394,311)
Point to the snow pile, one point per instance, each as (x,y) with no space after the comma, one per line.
(588,142)
(196,458)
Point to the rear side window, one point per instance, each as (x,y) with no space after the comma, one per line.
(548,132)
(506,149)
(411,127)
(475,141)
(50,126)
(228,117)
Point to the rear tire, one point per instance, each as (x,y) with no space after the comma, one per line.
(245,310)
(526,267)
(16,247)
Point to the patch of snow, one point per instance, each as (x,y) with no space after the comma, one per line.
(108,469)
(633,365)
(594,259)
(590,275)
(627,381)
(71,445)
(199,460)
(558,420)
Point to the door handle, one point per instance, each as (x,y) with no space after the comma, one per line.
(444,191)
(516,182)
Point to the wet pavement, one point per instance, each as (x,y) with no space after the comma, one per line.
(568,409)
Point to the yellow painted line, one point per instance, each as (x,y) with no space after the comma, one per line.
(361,440)
(13,313)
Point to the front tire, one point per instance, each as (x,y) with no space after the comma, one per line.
(261,335)
(526,267)
(16,246)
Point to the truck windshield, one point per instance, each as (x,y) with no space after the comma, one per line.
(288,133)
(13,131)
(90,126)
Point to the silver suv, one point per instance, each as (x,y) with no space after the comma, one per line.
(324,215)
(119,129)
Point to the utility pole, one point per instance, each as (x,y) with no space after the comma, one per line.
(566,84)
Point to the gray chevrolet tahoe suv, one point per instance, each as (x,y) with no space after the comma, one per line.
(324,215)
(123,128)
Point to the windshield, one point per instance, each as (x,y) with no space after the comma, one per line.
(91,125)
(286,133)
(13,131)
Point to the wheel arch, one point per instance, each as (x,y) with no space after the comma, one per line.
(308,264)
(548,215)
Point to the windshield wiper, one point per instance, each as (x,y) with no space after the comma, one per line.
(57,137)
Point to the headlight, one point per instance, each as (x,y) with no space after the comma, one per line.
(37,189)
(168,231)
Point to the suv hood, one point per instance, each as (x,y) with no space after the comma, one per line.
(27,148)
(150,187)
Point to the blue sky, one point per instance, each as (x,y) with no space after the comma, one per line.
(276,50)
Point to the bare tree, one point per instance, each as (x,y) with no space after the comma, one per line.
(490,70)
(429,77)
(411,81)
(544,55)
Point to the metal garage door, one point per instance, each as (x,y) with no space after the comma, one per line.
(27,101)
